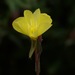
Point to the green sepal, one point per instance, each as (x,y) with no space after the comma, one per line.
(33,47)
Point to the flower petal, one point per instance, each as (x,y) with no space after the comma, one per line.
(37,13)
(20,25)
(44,23)
(27,13)
(44,18)
(28,16)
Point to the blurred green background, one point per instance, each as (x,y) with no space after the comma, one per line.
(58,55)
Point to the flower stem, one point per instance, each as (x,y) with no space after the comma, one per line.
(37,62)
(38,51)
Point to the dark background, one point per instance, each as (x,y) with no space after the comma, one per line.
(58,55)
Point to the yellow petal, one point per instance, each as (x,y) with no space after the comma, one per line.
(27,13)
(20,25)
(36,13)
(44,18)
(28,16)
(33,24)
(44,23)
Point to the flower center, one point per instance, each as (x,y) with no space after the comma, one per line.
(32,32)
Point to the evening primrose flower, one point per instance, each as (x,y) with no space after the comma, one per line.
(32,25)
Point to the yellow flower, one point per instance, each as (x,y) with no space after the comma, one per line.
(32,24)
